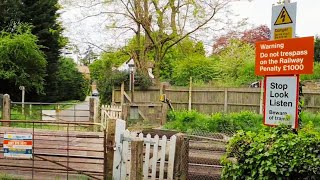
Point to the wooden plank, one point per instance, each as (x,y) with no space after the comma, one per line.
(163,144)
(154,158)
(146,159)
(172,151)
(136,160)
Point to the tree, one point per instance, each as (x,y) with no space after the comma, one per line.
(236,64)
(260,33)
(106,77)
(21,63)
(251,36)
(72,84)
(317,49)
(200,68)
(183,51)
(89,57)
(160,25)
(10,14)
(42,14)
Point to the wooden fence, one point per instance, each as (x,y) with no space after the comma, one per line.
(212,100)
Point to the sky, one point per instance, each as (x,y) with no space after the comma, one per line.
(82,31)
(259,12)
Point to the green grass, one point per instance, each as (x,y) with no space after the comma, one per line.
(9,177)
(195,122)
(34,113)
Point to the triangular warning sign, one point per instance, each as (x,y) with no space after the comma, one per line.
(283,18)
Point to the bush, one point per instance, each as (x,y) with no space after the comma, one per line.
(224,123)
(273,153)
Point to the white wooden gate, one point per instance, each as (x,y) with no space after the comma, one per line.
(159,155)
(110,112)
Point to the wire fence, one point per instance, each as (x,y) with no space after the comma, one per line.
(52,154)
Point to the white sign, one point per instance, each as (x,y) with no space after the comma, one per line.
(281,100)
(17,145)
(283,24)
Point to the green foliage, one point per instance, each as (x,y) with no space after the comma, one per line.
(10,14)
(189,121)
(224,123)
(317,49)
(101,72)
(200,68)
(42,16)
(236,64)
(72,84)
(183,52)
(315,75)
(21,62)
(106,84)
(143,81)
(273,153)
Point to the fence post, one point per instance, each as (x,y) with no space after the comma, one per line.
(164,112)
(91,111)
(190,94)
(136,172)
(111,130)
(225,100)
(97,114)
(125,109)
(181,158)
(6,109)
(122,94)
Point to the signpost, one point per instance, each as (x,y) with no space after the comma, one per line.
(281,100)
(285,57)
(17,145)
(283,25)
(280,61)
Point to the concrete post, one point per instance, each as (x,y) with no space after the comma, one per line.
(6,109)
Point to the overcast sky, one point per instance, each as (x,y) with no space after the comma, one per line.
(258,12)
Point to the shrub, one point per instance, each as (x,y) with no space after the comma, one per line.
(187,121)
(224,123)
(273,153)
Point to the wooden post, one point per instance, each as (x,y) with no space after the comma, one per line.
(136,172)
(6,109)
(125,112)
(181,158)
(113,96)
(164,112)
(122,94)
(97,114)
(91,111)
(111,129)
(190,94)
(261,96)
(225,100)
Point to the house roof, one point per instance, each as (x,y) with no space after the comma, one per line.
(83,69)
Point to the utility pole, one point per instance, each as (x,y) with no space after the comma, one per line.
(22,88)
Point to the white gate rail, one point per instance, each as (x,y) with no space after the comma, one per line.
(110,112)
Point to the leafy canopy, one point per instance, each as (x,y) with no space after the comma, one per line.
(21,60)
